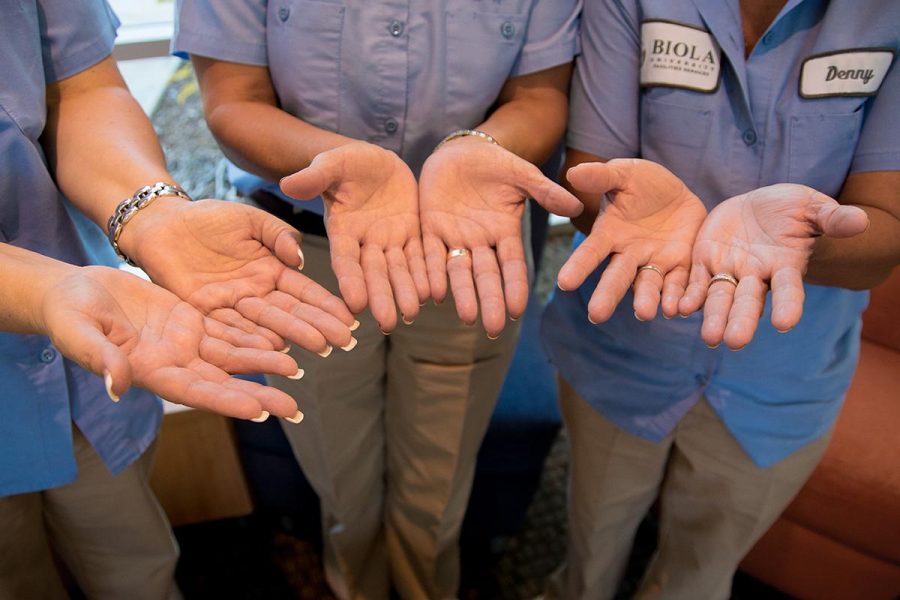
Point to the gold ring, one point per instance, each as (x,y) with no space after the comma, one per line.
(724,277)
(457,252)
(650,267)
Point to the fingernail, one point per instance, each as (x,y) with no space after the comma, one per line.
(736,349)
(783,330)
(683,316)
(638,318)
(666,317)
(514,319)
(492,338)
(108,382)
(298,375)
(262,417)
(355,325)
(286,349)
(592,322)
(712,347)
(326,352)
(298,416)
(408,321)
(351,345)
(302,259)
(383,332)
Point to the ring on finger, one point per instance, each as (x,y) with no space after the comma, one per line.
(455,252)
(652,267)
(724,277)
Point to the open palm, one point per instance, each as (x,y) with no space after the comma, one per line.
(649,217)
(762,238)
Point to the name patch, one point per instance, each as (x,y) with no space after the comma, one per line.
(845,73)
(682,56)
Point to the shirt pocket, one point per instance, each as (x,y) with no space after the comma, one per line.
(676,137)
(481,51)
(822,148)
(304,54)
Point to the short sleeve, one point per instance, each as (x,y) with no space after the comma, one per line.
(879,144)
(230,30)
(604,107)
(75,35)
(552,38)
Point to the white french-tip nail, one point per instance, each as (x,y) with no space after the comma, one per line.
(262,417)
(298,416)
(712,347)
(638,318)
(408,321)
(326,352)
(783,330)
(591,321)
(302,259)
(514,319)
(108,382)
(298,375)
(286,349)
(492,337)
(351,345)
(355,325)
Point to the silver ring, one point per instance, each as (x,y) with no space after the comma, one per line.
(724,277)
(457,252)
(650,267)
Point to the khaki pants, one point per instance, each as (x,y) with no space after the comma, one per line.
(389,443)
(715,503)
(110,532)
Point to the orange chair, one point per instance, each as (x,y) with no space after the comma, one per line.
(840,538)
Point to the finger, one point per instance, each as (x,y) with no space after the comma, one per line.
(272,400)
(322,173)
(345,262)
(839,221)
(459,270)
(584,260)
(552,196)
(245,360)
(335,331)
(673,290)
(612,287)
(511,254)
(595,177)
(232,318)
(415,258)
(787,298)
(715,312)
(402,285)
(647,294)
(278,237)
(695,294)
(436,265)
(309,292)
(746,309)
(236,336)
(285,324)
(489,286)
(97,354)
(203,387)
(378,288)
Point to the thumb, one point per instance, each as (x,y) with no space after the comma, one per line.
(840,221)
(278,237)
(595,177)
(87,345)
(548,194)
(310,182)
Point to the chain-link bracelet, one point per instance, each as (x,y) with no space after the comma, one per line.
(467,132)
(127,208)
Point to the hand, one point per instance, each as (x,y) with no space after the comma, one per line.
(131,331)
(472,196)
(649,218)
(372,219)
(237,264)
(762,238)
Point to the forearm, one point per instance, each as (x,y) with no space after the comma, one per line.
(25,278)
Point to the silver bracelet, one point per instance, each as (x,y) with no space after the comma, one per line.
(467,132)
(128,207)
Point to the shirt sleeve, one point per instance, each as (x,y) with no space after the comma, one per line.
(604,110)
(75,35)
(231,30)
(552,38)
(879,144)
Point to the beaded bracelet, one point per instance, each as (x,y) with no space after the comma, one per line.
(127,208)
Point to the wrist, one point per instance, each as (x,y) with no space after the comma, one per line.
(134,215)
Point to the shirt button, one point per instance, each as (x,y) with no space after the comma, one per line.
(395,27)
(47,355)
(767,39)
(391,126)
(508,29)
(283,13)
(749,137)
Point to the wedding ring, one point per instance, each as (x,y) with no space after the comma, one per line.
(650,267)
(457,252)
(724,277)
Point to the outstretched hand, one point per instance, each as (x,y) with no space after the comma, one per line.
(763,239)
(372,219)
(472,195)
(133,332)
(647,222)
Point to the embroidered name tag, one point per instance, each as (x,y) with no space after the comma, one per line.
(675,55)
(846,73)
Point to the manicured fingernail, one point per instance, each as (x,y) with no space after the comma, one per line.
(351,345)
(298,416)
(262,417)
(326,352)
(286,349)
(355,325)
(783,330)
(683,316)
(592,322)
(492,337)
(712,347)
(736,349)
(298,375)
(514,318)
(383,332)
(408,321)
(108,382)
(666,317)
(637,317)
(302,259)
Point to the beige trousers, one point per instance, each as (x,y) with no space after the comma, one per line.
(110,532)
(714,502)
(389,443)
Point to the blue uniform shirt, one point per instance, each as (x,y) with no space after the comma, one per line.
(816,100)
(44,41)
(395,73)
